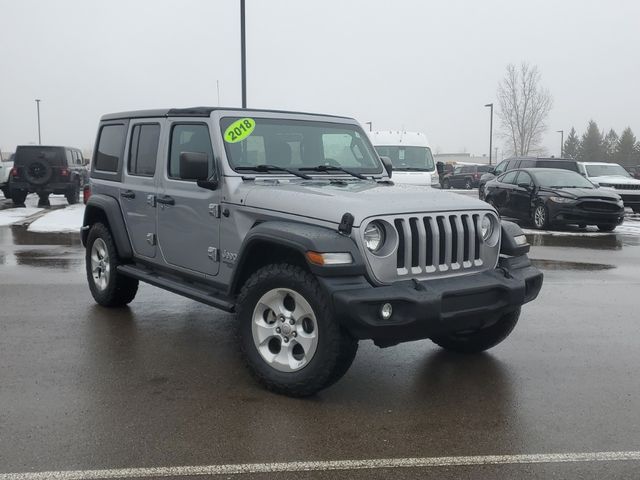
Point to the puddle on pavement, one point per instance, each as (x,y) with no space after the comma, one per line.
(564,265)
(19,247)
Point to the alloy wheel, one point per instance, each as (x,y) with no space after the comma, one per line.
(100,266)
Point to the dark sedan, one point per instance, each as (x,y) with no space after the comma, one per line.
(546,197)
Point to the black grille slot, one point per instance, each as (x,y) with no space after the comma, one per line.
(427,227)
(415,248)
(467,237)
(443,239)
(400,256)
(454,239)
(478,237)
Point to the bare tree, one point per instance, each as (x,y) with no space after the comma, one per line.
(523,107)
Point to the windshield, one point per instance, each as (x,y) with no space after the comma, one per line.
(408,158)
(561,179)
(295,144)
(602,170)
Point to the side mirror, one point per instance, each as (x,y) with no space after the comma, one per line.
(388,166)
(194,166)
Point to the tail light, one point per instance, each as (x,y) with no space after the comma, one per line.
(14,172)
(64,172)
(86,193)
(476,175)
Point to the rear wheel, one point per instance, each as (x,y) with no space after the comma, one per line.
(446,184)
(73,195)
(480,340)
(608,227)
(108,287)
(288,336)
(467,184)
(18,196)
(540,217)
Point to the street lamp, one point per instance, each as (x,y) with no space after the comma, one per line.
(561,132)
(243,56)
(38,107)
(490,130)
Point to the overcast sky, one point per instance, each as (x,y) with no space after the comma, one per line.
(427,66)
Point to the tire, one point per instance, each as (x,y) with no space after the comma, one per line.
(18,196)
(112,289)
(73,196)
(467,184)
(5,192)
(329,350)
(480,340)
(446,185)
(635,209)
(607,227)
(38,172)
(540,217)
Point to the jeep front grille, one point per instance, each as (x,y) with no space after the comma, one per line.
(435,245)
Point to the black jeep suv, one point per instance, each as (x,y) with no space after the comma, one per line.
(48,169)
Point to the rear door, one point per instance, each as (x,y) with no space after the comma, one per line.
(188,215)
(137,192)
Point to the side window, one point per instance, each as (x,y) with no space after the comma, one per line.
(509,177)
(457,170)
(527,163)
(189,138)
(110,146)
(70,159)
(467,169)
(513,164)
(143,152)
(524,177)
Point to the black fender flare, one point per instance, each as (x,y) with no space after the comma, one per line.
(302,238)
(100,206)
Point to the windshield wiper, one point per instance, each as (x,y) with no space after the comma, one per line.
(333,168)
(411,169)
(274,168)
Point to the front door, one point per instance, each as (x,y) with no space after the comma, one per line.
(138,190)
(188,215)
(521,196)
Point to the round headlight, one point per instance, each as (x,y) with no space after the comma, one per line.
(486,227)
(374,236)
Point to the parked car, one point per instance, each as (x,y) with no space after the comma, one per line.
(5,174)
(252,212)
(525,162)
(634,171)
(465,176)
(410,155)
(547,197)
(48,169)
(613,176)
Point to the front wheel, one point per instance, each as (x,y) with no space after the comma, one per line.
(288,336)
(108,287)
(608,227)
(540,217)
(479,340)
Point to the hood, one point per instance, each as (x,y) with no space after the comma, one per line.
(327,201)
(615,179)
(587,192)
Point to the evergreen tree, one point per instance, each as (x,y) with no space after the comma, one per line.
(571,145)
(591,146)
(627,152)
(610,144)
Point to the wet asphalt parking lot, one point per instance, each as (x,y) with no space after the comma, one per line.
(160,384)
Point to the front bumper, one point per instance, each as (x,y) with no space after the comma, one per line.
(428,308)
(560,214)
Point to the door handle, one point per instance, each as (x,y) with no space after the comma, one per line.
(166,200)
(128,194)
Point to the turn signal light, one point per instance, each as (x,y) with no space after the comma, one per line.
(329,258)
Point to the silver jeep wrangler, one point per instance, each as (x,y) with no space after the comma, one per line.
(292,221)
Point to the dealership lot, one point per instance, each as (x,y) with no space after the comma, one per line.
(160,384)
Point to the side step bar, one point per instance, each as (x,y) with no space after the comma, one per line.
(190,291)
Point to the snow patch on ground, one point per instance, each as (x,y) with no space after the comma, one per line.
(66,220)
(16,215)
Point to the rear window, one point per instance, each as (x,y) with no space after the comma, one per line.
(28,154)
(144,149)
(573,166)
(110,147)
(483,169)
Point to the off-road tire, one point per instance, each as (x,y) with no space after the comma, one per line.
(73,195)
(480,340)
(5,192)
(18,196)
(607,227)
(335,351)
(120,290)
(38,172)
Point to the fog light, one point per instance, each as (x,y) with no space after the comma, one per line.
(386,311)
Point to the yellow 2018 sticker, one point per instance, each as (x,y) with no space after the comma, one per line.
(239,130)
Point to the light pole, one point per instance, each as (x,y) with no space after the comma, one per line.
(243,56)
(561,132)
(38,108)
(490,130)
(370,125)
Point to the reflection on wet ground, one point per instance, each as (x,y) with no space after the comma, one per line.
(43,250)
(564,265)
